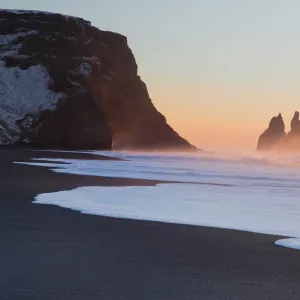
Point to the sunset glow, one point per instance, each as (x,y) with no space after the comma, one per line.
(218,70)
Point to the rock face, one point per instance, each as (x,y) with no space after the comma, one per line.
(275,139)
(295,123)
(273,135)
(64,83)
(292,141)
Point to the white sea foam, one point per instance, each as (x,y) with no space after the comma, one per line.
(262,196)
(293,243)
(225,207)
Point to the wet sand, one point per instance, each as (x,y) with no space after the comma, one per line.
(47,252)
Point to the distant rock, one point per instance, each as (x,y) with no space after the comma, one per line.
(275,139)
(273,135)
(64,83)
(292,141)
(295,123)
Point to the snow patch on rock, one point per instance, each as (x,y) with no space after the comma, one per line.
(22,93)
(6,39)
(37,12)
(10,47)
(84,69)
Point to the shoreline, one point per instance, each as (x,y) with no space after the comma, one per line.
(48,252)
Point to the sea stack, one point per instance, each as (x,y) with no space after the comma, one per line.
(295,124)
(275,139)
(292,142)
(272,135)
(67,84)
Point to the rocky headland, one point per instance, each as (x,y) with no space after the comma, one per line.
(67,84)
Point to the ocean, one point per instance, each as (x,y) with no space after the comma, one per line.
(250,191)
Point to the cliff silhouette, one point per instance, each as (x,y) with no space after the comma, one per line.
(67,84)
(274,137)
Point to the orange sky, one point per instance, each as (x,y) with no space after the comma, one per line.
(218,70)
(222,117)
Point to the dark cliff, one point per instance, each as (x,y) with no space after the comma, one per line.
(64,83)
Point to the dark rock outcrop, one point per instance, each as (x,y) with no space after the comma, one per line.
(64,83)
(292,141)
(273,135)
(275,139)
(295,123)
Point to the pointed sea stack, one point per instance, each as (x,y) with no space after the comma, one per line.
(272,135)
(292,142)
(295,123)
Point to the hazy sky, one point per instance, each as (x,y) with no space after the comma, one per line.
(218,69)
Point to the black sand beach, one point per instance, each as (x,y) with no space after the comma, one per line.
(47,252)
